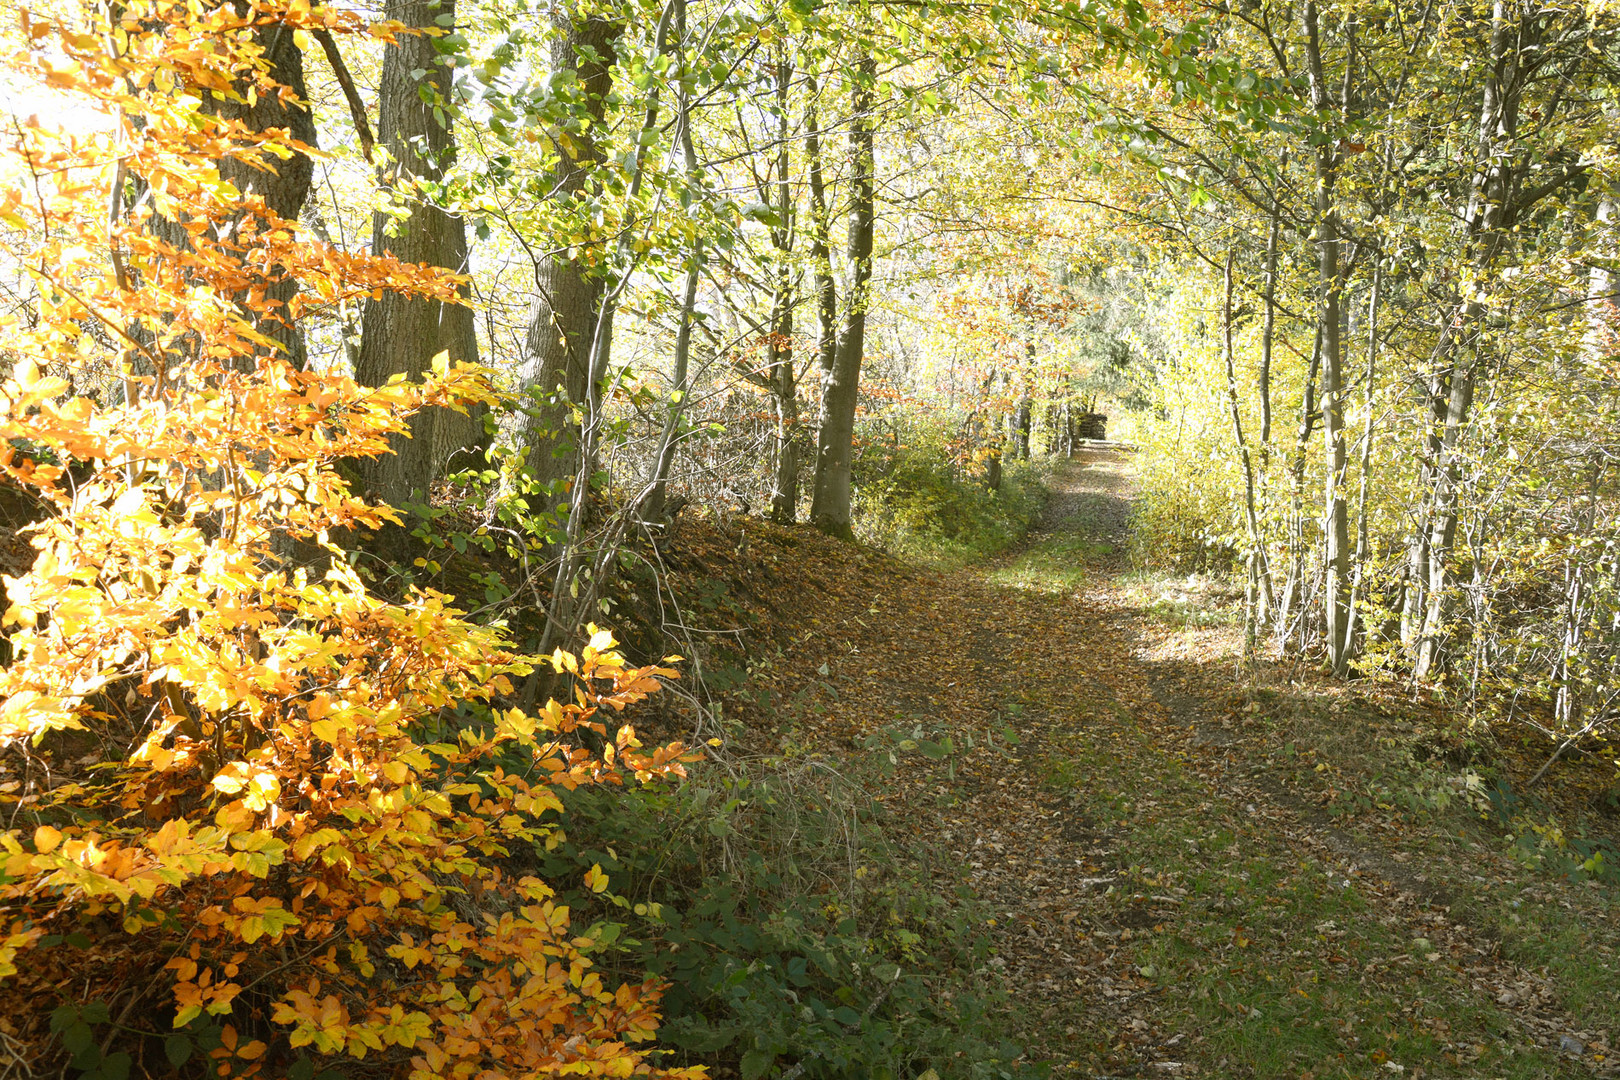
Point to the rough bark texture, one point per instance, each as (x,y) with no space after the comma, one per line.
(400,335)
(557,348)
(830,509)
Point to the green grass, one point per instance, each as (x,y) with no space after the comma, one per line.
(1185,600)
(1279,964)
(1057,564)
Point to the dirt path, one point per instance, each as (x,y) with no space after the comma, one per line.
(1164,899)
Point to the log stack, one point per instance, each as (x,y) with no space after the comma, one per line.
(1092,425)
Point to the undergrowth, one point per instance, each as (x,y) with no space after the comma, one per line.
(794,931)
(915,498)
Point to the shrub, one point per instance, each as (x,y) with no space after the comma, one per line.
(792,933)
(259,819)
(915,497)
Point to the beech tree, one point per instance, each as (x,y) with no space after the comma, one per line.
(401,334)
(830,508)
(263,862)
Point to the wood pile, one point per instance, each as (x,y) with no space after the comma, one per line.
(1091,425)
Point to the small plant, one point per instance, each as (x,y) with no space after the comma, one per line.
(793,934)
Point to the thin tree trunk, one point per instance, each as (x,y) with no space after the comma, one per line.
(1024,415)
(680,377)
(1358,588)
(826,287)
(779,350)
(1294,590)
(1268,331)
(1259,578)
(1336,593)
(830,509)
(1488,196)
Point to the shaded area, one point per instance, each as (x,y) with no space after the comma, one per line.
(1166,895)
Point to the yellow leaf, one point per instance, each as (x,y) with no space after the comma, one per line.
(46,839)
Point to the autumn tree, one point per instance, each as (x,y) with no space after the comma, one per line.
(266,818)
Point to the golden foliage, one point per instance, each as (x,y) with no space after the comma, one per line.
(259,792)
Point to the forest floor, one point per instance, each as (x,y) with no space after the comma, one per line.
(1186,873)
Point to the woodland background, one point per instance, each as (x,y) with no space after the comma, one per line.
(360,363)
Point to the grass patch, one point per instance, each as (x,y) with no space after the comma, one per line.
(1274,964)
(1185,600)
(1056,565)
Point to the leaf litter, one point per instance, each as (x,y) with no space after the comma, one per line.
(1165,893)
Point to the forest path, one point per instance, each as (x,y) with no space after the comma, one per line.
(1163,903)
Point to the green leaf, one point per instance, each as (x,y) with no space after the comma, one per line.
(77,1037)
(756,1063)
(177,1048)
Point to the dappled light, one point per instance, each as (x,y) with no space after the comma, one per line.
(677,538)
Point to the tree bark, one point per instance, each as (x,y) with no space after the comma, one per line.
(1294,591)
(830,508)
(1258,598)
(284,186)
(826,287)
(1336,521)
(401,335)
(1358,589)
(779,349)
(1452,400)
(1024,415)
(680,376)
(555,363)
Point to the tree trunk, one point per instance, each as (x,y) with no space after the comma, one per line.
(1294,591)
(1358,590)
(779,350)
(1258,598)
(284,186)
(680,376)
(401,335)
(1025,405)
(1336,591)
(830,508)
(826,287)
(1492,185)
(555,362)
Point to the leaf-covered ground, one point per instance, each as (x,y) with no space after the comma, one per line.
(1185,874)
